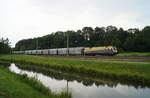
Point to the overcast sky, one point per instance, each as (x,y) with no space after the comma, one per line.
(20,19)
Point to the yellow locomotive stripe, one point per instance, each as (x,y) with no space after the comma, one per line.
(98,48)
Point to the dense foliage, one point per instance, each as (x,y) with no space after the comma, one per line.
(4,46)
(124,40)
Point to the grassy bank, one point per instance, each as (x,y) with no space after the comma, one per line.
(134,54)
(85,79)
(127,71)
(18,86)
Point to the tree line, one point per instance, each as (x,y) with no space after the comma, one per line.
(4,46)
(125,40)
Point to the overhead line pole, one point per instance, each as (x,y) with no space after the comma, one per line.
(36,45)
(67,44)
(67,87)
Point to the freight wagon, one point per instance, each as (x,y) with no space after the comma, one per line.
(105,50)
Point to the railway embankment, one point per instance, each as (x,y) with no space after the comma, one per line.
(134,54)
(138,72)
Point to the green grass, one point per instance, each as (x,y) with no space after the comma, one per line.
(134,54)
(18,86)
(128,71)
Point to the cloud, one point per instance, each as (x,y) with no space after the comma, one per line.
(31,18)
(126,20)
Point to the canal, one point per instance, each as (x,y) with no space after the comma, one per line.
(86,88)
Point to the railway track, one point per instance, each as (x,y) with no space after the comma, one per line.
(107,58)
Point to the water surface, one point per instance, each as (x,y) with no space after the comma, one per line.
(79,89)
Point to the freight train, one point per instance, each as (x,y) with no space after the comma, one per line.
(105,50)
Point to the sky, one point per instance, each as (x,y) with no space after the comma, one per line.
(22,19)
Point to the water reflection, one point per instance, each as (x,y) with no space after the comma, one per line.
(82,87)
(47,81)
(85,79)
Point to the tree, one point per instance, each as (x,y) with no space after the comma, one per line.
(142,40)
(98,36)
(4,46)
(125,40)
(87,34)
